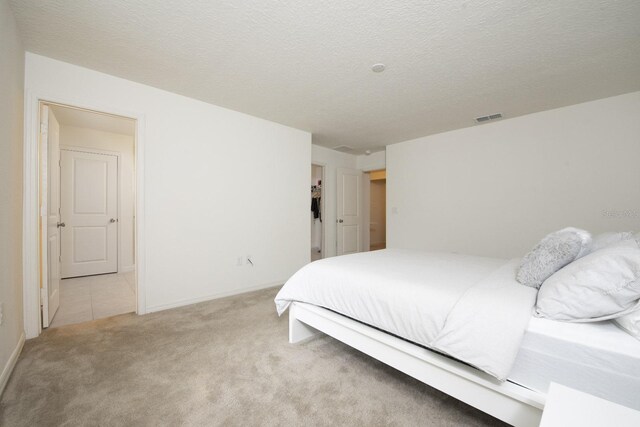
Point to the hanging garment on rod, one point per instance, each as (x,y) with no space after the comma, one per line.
(315,207)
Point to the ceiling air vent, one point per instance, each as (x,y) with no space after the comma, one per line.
(343,148)
(488,118)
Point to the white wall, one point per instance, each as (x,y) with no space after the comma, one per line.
(332,160)
(496,189)
(11,125)
(374,161)
(218,185)
(124,145)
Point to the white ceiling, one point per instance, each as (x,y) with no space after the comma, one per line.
(91,120)
(306,63)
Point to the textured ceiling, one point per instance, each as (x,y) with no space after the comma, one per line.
(98,121)
(306,63)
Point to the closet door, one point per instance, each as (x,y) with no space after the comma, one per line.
(350,211)
(90,211)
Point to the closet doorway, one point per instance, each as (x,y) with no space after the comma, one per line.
(317,212)
(377,210)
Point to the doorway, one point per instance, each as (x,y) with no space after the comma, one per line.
(87,189)
(317,210)
(377,210)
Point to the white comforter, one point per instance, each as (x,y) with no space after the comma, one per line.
(469,307)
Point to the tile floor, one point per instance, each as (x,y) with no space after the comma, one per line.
(95,297)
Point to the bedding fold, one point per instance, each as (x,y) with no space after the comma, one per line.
(468,307)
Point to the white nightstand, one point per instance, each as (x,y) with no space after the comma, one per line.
(567,407)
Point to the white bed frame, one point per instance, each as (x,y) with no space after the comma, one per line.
(509,402)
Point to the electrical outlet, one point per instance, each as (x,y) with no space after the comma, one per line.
(239,262)
(1,312)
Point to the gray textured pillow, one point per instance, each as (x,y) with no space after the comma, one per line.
(552,253)
(602,285)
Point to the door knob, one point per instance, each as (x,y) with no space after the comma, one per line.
(112,220)
(60,224)
(340,221)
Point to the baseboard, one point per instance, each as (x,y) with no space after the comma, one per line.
(11,363)
(210,297)
(127,269)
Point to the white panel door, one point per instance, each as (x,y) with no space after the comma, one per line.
(350,213)
(50,152)
(89,208)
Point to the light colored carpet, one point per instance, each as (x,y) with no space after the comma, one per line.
(223,362)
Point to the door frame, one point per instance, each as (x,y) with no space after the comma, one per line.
(31,267)
(323,212)
(118,155)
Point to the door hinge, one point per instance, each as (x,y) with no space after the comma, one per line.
(43,127)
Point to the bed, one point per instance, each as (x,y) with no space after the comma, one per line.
(458,323)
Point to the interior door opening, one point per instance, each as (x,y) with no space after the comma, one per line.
(377,210)
(87,227)
(317,209)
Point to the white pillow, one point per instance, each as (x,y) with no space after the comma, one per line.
(607,239)
(602,285)
(630,322)
(553,252)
